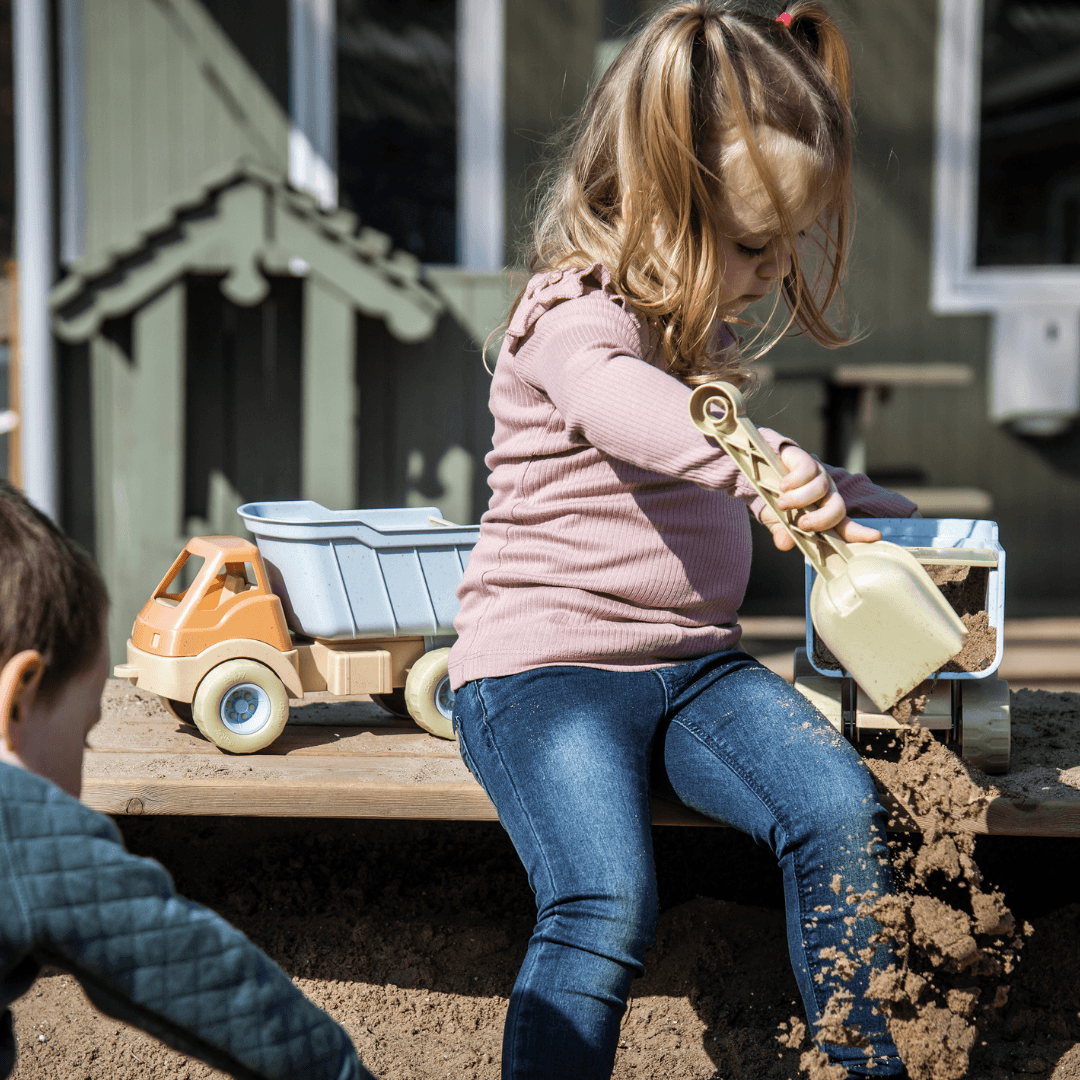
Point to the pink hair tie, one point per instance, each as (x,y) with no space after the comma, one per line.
(785,18)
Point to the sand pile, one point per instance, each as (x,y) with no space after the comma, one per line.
(955,940)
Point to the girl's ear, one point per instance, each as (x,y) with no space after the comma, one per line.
(19,679)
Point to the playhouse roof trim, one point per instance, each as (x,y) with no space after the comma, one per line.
(245,222)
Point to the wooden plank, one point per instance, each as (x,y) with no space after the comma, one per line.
(138,402)
(438,801)
(773,626)
(347,757)
(391,741)
(464,801)
(1059,629)
(902,375)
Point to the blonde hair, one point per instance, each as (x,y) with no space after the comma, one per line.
(707,96)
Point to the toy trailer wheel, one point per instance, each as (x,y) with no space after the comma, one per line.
(241,706)
(985,724)
(394,702)
(178,710)
(428,694)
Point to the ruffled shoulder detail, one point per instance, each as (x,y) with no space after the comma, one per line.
(552,287)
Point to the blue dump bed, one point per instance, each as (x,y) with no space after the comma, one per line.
(344,574)
(962,533)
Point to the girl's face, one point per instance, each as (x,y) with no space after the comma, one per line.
(756,257)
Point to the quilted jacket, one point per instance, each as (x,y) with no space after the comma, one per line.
(71,896)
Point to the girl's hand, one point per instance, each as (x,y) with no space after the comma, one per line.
(806,483)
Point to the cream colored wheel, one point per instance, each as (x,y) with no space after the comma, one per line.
(178,710)
(241,705)
(428,694)
(985,724)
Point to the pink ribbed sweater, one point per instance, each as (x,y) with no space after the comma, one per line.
(616,535)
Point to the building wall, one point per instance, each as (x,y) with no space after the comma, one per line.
(550,56)
(166,98)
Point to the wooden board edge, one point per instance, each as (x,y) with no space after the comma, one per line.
(239,798)
(466,801)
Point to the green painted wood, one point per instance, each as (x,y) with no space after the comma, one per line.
(251,224)
(168,99)
(480,302)
(328,428)
(424,424)
(106,356)
(155,87)
(138,388)
(409,318)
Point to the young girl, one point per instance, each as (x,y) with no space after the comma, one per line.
(598,627)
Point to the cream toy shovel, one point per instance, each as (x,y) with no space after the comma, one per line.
(872,604)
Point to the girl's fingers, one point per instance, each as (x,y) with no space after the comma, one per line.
(827,516)
(806,481)
(831,514)
(854,533)
(814,490)
(780,536)
(801,468)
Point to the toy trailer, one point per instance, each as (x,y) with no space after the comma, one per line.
(349,602)
(970,708)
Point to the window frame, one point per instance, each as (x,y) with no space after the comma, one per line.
(958,285)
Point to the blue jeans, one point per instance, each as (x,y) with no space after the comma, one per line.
(565,754)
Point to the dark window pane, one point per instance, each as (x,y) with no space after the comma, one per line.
(260,30)
(397,120)
(1029,151)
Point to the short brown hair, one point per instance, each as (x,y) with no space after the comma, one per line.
(52,596)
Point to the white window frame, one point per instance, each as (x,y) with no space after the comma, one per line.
(481,157)
(312,108)
(958,285)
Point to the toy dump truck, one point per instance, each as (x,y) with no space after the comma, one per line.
(967,703)
(349,602)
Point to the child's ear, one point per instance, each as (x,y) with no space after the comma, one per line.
(19,679)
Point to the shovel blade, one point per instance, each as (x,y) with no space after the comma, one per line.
(885,621)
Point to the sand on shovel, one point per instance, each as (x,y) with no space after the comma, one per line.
(965,589)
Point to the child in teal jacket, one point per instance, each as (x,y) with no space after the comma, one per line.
(73,897)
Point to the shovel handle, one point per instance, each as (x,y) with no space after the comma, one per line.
(718,410)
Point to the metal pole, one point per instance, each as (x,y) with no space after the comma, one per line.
(34,248)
